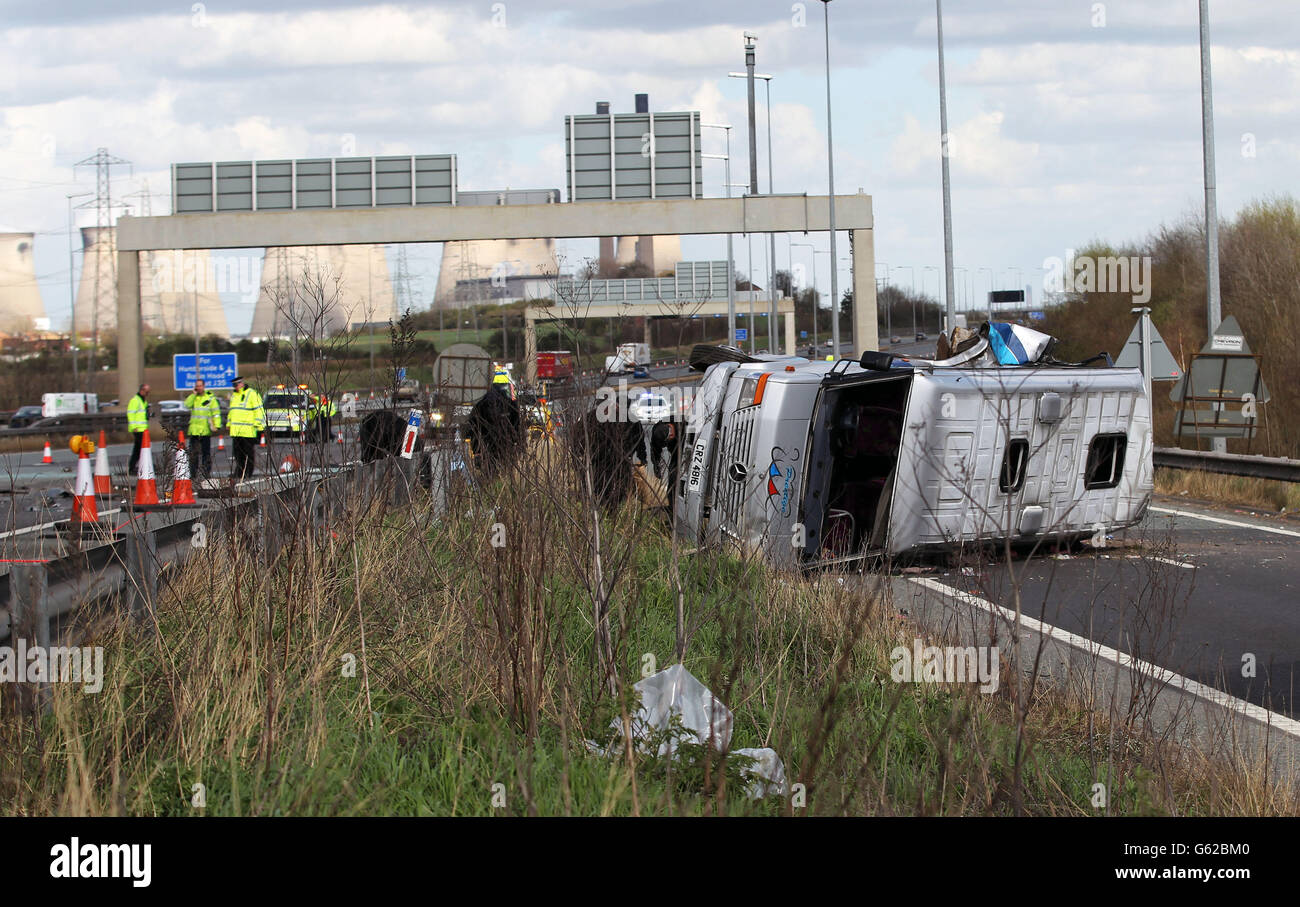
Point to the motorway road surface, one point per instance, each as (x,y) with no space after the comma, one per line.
(1194,589)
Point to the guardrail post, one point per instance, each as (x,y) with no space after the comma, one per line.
(29,616)
(405,473)
(141,574)
(268,509)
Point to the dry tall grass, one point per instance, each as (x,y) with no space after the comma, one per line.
(431,660)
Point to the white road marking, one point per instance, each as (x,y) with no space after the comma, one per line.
(1164,560)
(1237,523)
(1122,660)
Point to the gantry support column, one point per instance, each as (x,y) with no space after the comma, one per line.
(530,347)
(789,334)
(865,333)
(130,338)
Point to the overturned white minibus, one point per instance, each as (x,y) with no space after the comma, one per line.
(816,463)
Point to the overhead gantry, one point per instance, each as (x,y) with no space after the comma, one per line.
(434,223)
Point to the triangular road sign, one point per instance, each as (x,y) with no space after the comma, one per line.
(1164,367)
(1223,367)
(1227,338)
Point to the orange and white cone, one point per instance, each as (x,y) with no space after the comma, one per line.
(103,479)
(146,487)
(182,487)
(47,457)
(289,464)
(221,442)
(263,442)
(340,436)
(83,494)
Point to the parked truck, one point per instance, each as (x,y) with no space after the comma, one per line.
(627,357)
(555,366)
(814,463)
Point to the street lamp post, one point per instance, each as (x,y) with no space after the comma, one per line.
(767,81)
(830,173)
(947,186)
(1213,310)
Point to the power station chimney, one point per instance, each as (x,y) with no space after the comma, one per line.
(643,103)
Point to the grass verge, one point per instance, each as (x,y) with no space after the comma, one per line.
(421,661)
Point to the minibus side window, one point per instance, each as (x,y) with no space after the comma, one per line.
(1105,465)
(1014,463)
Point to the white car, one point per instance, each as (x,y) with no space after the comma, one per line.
(650,408)
(171,408)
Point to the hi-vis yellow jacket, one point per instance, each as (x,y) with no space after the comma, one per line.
(247,417)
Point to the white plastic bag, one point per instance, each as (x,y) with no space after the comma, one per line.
(676,690)
(766,775)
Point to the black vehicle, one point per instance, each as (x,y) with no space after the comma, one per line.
(25,416)
(920,335)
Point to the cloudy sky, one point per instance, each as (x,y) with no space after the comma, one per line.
(1070,120)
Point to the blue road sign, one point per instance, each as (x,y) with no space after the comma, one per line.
(218,370)
(742,333)
(803,335)
(401,374)
(1037,316)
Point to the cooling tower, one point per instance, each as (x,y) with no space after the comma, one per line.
(476,262)
(658,253)
(172,284)
(20,297)
(97,291)
(322,289)
(179,288)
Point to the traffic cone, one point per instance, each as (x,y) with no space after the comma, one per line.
(103,479)
(182,487)
(83,499)
(340,436)
(221,442)
(263,444)
(146,487)
(47,457)
(289,464)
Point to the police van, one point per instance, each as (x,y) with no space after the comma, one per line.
(828,462)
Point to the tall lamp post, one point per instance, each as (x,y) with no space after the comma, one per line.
(951,307)
(830,173)
(771,276)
